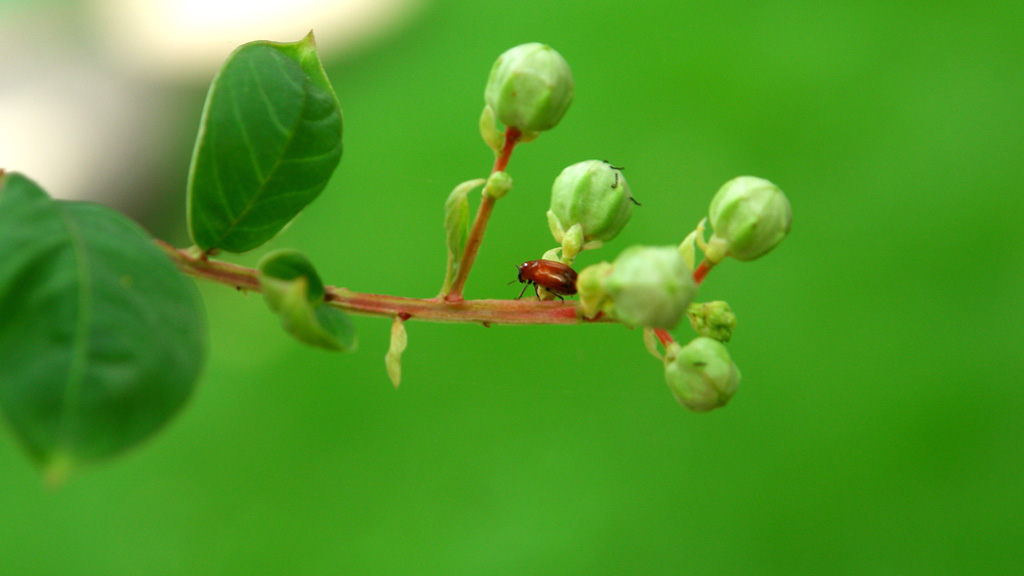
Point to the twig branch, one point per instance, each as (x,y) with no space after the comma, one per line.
(484,312)
(483,214)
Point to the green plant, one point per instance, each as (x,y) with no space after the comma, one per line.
(102,336)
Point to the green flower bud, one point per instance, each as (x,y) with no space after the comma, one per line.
(749,216)
(649,286)
(701,375)
(498,185)
(530,87)
(593,194)
(713,319)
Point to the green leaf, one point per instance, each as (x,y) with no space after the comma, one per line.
(269,140)
(290,264)
(101,337)
(456,225)
(338,326)
(292,289)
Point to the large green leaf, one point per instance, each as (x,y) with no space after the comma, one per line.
(101,337)
(269,140)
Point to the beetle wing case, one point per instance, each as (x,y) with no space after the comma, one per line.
(555,277)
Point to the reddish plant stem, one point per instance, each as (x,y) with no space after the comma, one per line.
(511,138)
(429,309)
(663,336)
(485,312)
(476,236)
(483,214)
(702,271)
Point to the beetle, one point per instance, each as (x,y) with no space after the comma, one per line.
(555,277)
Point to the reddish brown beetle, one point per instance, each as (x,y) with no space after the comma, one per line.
(555,277)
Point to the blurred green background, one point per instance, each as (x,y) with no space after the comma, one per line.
(879,427)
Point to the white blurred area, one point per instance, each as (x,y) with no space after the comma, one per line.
(89,89)
(189,37)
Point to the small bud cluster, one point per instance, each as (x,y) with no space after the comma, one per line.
(713,319)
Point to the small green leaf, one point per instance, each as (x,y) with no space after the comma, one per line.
(456,225)
(269,140)
(292,289)
(101,337)
(290,264)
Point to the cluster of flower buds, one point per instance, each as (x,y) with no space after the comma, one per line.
(654,287)
(529,90)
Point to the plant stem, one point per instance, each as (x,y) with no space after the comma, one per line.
(476,236)
(484,312)
(483,214)
(702,271)
(511,137)
(664,337)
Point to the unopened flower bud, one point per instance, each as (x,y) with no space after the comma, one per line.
(701,375)
(498,185)
(593,194)
(713,319)
(749,216)
(530,87)
(649,286)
